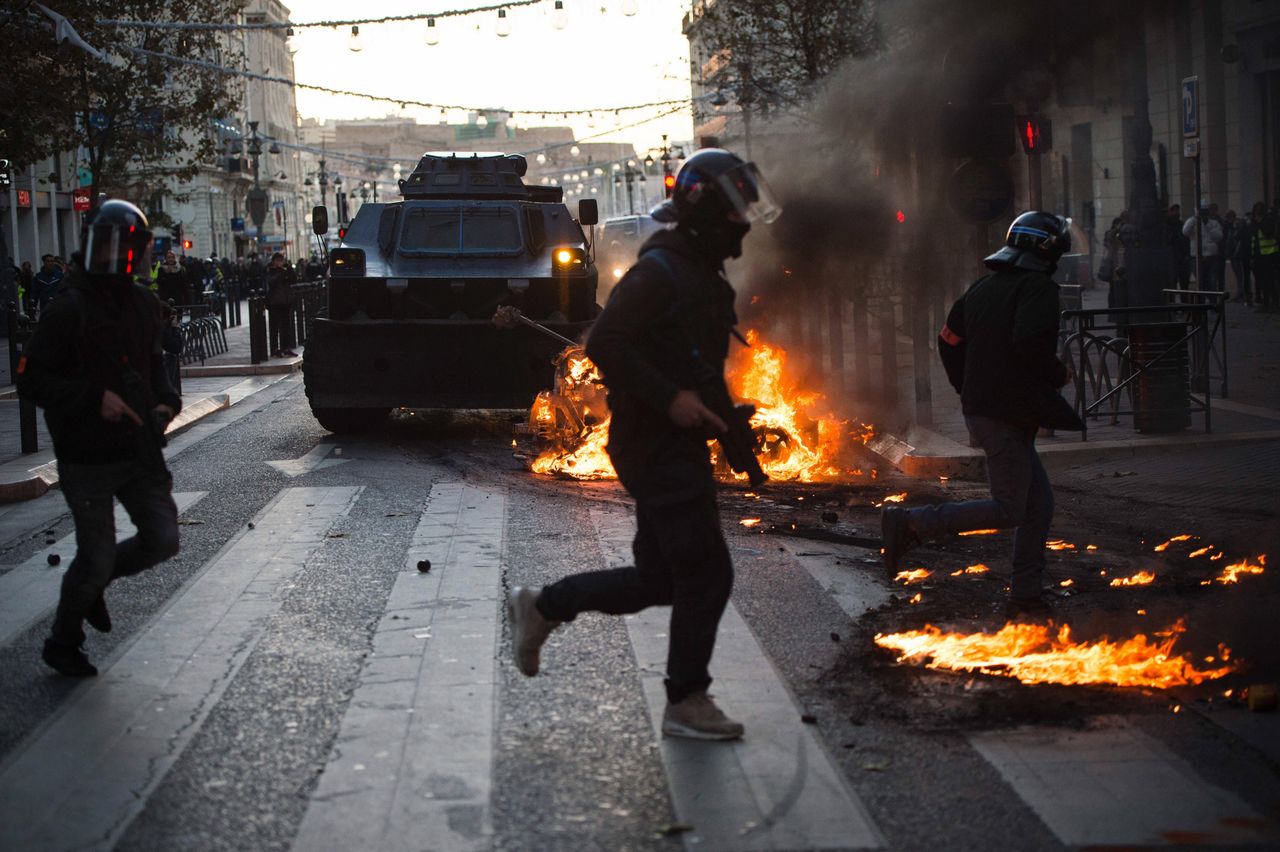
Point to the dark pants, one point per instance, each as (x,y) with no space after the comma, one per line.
(89,489)
(1266,271)
(681,561)
(1020,497)
(280,327)
(1242,270)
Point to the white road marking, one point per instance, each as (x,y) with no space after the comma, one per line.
(30,590)
(854,591)
(313,460)
(775,789)
(1116,786)
(82,778)
(412,764)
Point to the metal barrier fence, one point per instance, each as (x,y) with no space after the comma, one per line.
(1141,353)
(310,300)
(202,337)
(1215,353)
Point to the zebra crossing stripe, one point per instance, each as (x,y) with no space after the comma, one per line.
(412,764)
(777,788)
(30,591)
(1114,786)
(80,780)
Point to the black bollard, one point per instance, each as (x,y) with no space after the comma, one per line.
(257,329)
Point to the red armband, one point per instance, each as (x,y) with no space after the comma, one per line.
(949,337)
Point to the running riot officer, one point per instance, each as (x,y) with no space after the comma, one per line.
(665,332)
(95,365)
(999,348)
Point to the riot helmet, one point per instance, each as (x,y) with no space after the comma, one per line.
(117,241)
(1035,241)
(716,184)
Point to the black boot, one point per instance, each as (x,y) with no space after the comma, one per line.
(98,617)
(67,660)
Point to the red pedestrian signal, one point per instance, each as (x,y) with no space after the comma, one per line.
(902,217)
(670,183)
(1036,133)
(342,233)
(186,244)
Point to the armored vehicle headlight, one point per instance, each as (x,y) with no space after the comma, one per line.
(568,259)
(346,261)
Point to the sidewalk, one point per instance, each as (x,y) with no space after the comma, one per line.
(217,384)
(1250,416)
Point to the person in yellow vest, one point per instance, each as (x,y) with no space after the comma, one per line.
(153,279)
(1266,257)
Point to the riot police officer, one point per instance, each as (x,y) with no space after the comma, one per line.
(664,330)
(94,364)
(999,348)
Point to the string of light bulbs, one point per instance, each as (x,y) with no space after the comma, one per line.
(404,102)
(232,26)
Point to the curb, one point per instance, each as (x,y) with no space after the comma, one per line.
(45,476)
(956,461)
(211,370)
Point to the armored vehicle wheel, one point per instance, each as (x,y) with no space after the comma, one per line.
(350,421)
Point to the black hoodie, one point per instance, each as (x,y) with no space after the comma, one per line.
(665,328)
(76,353)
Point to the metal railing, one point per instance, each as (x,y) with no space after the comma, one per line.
(202,337)
(1216,350)
(1099,346)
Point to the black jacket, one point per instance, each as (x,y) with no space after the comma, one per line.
(75,354)
(279,286)
(666,328)
(999,348)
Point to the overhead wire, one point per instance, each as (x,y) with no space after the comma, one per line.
(230,26)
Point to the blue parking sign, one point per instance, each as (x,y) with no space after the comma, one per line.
(1191,107)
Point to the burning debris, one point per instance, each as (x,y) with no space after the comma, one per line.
(1059,544)
(1163,546)
(972,569)
(793,441)
(1142,578)
(750,522)
(892,498)
(916,575)
(1034,653)
(1231,574)
(979,532)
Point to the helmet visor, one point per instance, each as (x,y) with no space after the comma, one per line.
(749,194)
(117,250)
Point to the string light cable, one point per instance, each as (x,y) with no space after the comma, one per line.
(285,25)
(267,78)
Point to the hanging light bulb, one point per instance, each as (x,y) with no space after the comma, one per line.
(355,44)
(433,35)
(541,158)
(559,17)
(574,151)
(630,7)
(482,120)
(503,28)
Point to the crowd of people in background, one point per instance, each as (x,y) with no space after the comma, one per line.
(1247,245)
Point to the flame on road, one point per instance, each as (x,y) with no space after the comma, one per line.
(972,569)
(749,522)
(1231,574)
(1160,548)
(892,498)
(1142,578)
(798,443)
(916,575)
(1199,552)
(1059,544)
(979,532)
(1034,653)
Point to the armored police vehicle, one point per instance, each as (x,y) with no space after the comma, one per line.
(415,285)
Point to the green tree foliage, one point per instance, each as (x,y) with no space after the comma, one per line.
(144,124)
(772,53)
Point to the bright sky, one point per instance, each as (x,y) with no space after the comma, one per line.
(602,58)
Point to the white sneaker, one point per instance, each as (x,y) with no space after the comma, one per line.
(529,629)
(698,718)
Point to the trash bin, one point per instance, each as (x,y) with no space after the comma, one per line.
(1161,401)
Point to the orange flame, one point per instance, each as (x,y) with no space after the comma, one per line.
(1199,552)
(1034,653)
(980,532)
(892,498)
(799,444)
(1160,548)
(749,522)
(1142,578)
(1059,544)
(1231,574)
(916,575)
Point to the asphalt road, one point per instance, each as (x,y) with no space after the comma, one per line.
(292,680)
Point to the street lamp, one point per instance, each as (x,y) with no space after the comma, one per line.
(630,176)
(256,198)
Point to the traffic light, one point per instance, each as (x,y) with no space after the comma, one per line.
(186,244)
(1036,133)
(6,179)
(177,231)
(342,232)
(669,183)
